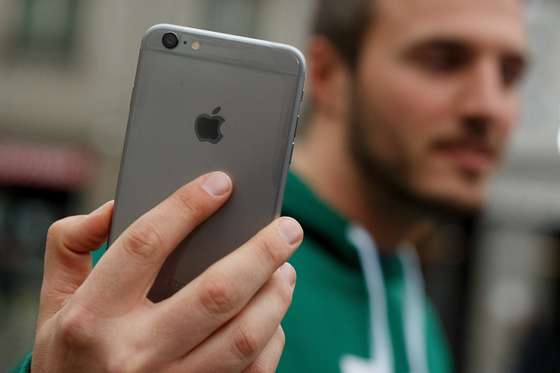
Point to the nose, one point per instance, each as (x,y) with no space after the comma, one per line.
(485,100)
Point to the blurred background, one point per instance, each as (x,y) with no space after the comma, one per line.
(66,73)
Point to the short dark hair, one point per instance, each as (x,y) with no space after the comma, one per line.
(344,23)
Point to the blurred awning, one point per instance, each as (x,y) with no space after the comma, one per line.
(50,166)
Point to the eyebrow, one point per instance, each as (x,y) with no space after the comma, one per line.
(441,42)
(458,44)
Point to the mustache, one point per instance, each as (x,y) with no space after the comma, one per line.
(490,146)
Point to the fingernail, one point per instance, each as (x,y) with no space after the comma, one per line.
(291,230)
(288,272)
(217,184)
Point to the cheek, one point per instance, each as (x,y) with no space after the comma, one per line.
(512,120)
(425,103)
(410,112)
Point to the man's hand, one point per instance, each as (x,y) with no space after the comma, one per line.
(226,320)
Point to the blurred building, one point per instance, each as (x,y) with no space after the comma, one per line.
(67,66)
(66,73)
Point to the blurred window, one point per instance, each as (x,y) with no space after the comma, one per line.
(46,30)
(232,16)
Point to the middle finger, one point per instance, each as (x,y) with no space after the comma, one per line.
(220,293)
(235,346)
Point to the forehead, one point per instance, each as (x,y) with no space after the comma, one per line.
(478,21)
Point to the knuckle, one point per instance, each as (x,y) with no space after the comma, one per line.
(258,367)
(284,294)
(122,363)
(75,329)
(218,298)
(270,251)
(265,363)
(245,344)
(119,361)
(56,230)
(188,202)
(143,242)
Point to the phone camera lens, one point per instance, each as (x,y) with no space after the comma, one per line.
(170,40)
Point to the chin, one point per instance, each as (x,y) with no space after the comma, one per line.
(454,197)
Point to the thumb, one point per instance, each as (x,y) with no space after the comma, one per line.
(67,256)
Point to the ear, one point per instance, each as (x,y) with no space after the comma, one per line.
(329,80)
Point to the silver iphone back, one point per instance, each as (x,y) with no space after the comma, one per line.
(214,102)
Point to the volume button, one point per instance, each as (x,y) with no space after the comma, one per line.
(297,125)
(291,153)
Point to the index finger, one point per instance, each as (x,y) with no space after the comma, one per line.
(223,290)
(128,269)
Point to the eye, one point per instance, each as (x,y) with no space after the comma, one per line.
(442,57)
(513,70)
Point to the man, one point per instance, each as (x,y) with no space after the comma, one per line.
(413,102)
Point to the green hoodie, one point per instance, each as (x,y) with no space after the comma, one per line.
(330,316)
(329,325)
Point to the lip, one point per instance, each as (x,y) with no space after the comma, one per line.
(477,158)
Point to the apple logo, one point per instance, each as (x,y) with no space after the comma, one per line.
(207,127)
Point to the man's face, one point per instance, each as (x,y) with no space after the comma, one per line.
(436,95)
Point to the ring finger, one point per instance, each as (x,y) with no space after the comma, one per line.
(238,344)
